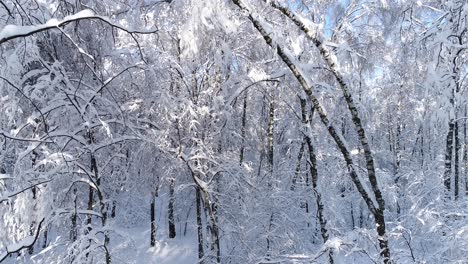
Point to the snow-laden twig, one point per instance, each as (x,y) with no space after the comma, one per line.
(27,98)
(22,244)
(10,32)
(12,194)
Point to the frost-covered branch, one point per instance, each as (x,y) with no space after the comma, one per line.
(288,60)
(10,32)
(7,135)
(29,99)
(377,211)
(13,194)
(22,244)
(330,60)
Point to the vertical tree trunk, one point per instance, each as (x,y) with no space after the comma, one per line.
(457,161)
(448,158)
(465,152)
(318,197)
(422,146)
(170,210)
(298,166)
(44,242)
(210,209)
(91,190)
(114,205)
(216,231)
(74,231)
(307,209)
(153,220)
(244,122)
(102,207)
(199,225)
(90,205)
(96,179)
(314,177)
(361,216)
(270,149)
(34,194)
(270,131)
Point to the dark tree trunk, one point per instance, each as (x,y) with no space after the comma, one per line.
(216,232)
(170,210)
(421,150)
(90,205)
(94,171)
(102,205)
(244,122)
(74,231)
(307,209)
(448,158)
(34,194)
(314,177)
(199,225)
(457,161)
(114,205)
(210,209)
(44,242)
(377,211)
(298,167)
(271,125)
(270,149)
(153,220)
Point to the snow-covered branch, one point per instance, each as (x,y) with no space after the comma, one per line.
(22,244)
(10,32)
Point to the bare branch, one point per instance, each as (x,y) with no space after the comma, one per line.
(6,135)
(30,100)
(6,8)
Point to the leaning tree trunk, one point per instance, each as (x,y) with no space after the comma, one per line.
(377,211)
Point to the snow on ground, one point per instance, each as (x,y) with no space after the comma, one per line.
(130,246)
(136,249)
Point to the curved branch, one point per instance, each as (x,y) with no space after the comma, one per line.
(24,243)
(6,8)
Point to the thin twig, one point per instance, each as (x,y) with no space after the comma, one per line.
(30,100)
(6,8)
